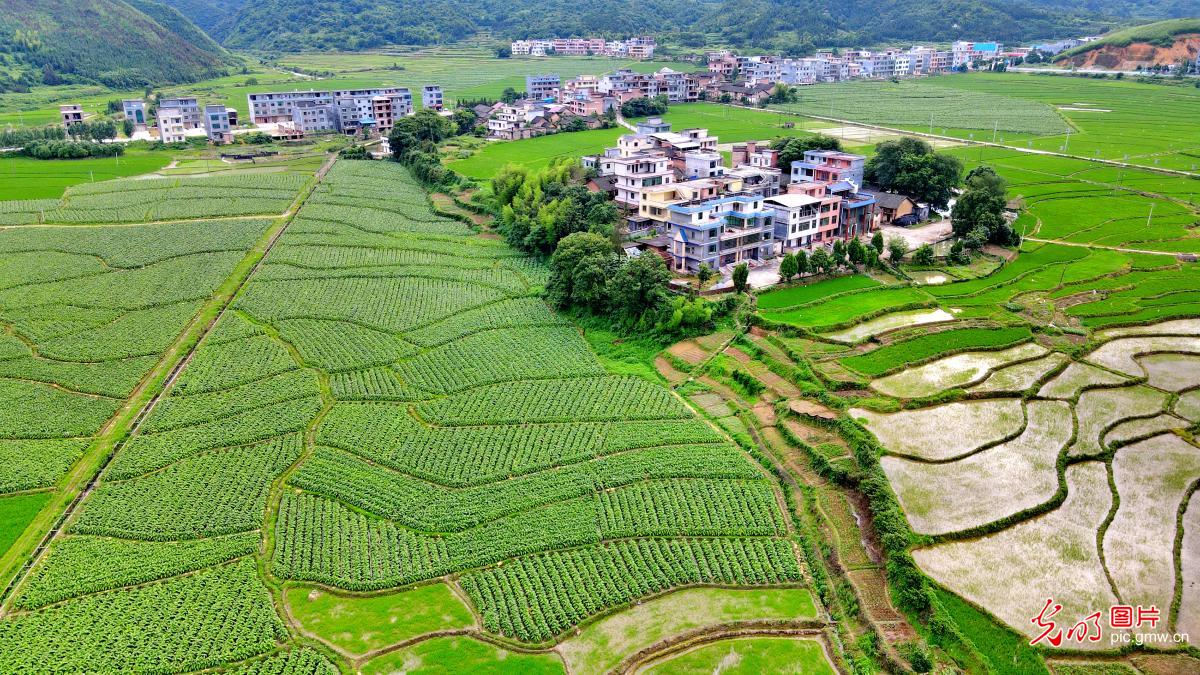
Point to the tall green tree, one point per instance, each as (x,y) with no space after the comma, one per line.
(979,210)
(897,249)
(839,253)
(579,272)
(821,261)
(802,267)
(877,242)
(741,277)
(788,267)
(638,286)
(792,148)
(910,166)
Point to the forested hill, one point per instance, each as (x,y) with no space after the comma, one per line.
(783,25)
(120,43)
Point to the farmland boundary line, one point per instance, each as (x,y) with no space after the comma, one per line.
(130,428)
(966,141)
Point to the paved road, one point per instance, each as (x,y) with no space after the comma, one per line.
(1087,71)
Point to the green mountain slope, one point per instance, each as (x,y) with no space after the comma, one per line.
(119,43)
(295,25)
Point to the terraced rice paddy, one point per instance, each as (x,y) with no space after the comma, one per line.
(1032,512)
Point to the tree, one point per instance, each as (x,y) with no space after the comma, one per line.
(923,255)
(504,52)
(425,127)
(856,251)
(911,167)
(958,254)
(783,93)
(976,239)
(464,120)
(49,77)
(871,258)
(802,267)
(703,274)
(821,261)
(644,106)
(793,148)
(787,267)
(127,127)
(897,248)
(510,95)
(877,242)
(741,277)
(839,254)
(579,271)
(981,207)
(639,286)
(726,98)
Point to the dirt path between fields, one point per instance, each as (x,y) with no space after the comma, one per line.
(86,472)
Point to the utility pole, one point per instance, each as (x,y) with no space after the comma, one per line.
(1067,144)
(995,123)
(1150,216)
(930,124)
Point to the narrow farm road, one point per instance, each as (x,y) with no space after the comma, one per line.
(79,481)
(1122,249)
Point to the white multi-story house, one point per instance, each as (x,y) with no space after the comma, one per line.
(795,218)
(171,125)
(311,116)
(346,108)
(188,107)
(543,87)
(431,96)
(216,124)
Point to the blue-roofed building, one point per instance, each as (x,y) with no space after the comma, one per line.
(720,231)
(857,213)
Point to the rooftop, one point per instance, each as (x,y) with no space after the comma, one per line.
(791,201)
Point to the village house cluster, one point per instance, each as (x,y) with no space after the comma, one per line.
(640,47)
(687,205)
(282,115)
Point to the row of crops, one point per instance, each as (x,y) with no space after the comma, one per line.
(84,315)
(151,199)
(390,395)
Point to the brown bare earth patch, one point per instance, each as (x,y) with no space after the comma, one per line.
(811,409)
(1136,54)
(689,351)
(673,375)
(738,354)
(714,341)
(1167,664)
(765,412)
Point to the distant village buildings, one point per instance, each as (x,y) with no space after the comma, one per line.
(641,47)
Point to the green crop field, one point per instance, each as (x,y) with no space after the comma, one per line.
(25,178)
(345,415)
(143,200)
(925,347)
(1110,119)
(750,655)
(730,124)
